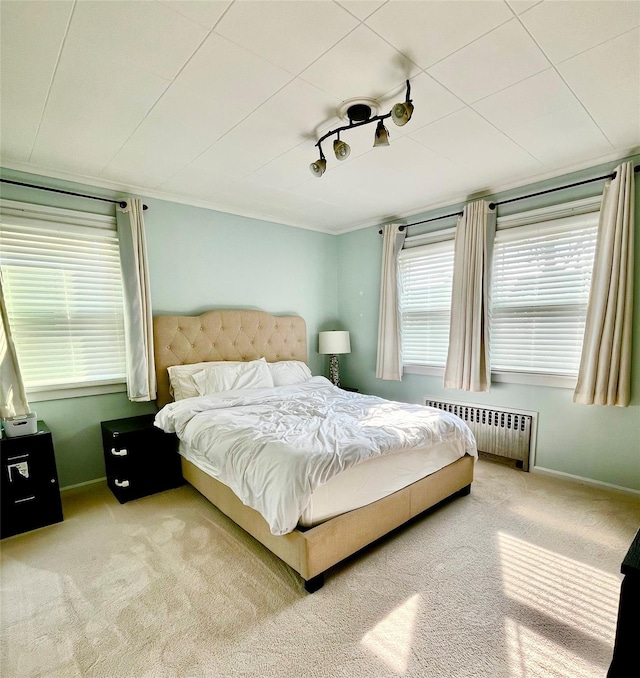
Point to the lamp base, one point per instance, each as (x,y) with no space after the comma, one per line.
(334,372)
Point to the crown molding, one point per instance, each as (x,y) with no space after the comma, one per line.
(449,203)
(127,189)
(124,189)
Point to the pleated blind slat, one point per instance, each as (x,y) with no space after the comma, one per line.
(63,293)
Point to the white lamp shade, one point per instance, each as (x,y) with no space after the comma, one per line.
(333,343)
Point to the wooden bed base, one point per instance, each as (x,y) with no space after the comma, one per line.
(311,552)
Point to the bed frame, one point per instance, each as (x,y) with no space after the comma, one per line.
(249,335)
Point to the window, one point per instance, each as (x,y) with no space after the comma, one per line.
(541,280)
(62,287)
(542,263)
(425,277)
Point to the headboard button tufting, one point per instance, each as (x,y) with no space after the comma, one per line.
(262,337)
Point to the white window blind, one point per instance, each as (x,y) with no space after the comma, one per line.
(425,277)
(62,286)
(541,280)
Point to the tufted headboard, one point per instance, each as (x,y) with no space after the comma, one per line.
(224,335)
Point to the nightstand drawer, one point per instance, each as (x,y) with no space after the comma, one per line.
(31,511)
(137,450)
(140,459)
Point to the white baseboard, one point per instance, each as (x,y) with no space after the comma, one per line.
(66,488)
(584,481)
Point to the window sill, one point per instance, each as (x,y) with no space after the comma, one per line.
(70,391)
(504,377)
(424,370)
(534,379)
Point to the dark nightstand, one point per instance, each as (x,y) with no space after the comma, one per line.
(140,459)
(625,650)
(29,490)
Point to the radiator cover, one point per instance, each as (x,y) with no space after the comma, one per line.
(498,431)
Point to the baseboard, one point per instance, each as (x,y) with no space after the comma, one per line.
(66,488)
(584,481)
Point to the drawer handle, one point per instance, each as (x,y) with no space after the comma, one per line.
(20,501)
(121,483)
(119,453)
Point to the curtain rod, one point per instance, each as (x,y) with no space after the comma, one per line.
(493,205)
(120,203)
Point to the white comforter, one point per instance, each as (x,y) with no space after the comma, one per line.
(274,447)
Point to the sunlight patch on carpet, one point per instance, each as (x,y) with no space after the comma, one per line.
(572,593)
(596,531)
(391,639)
(532,655)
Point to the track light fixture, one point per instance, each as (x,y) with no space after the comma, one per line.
(341,148)
(319,166)
(381,137)
(401,113)
(360,114)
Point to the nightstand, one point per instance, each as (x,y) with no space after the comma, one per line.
(140,459)
(29,490)
(625,652)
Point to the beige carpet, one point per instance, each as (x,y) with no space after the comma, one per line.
(520,579)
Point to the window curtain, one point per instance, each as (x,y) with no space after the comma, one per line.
(389,363)
(605,366)
(468,365)
(13,398)
(138,321)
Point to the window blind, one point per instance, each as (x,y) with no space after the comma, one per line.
(63,292)
(541,280)
(425,280)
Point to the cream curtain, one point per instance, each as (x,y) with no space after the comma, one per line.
(468,366)
(138,321)
(389,363)
(13,399)
(605,366)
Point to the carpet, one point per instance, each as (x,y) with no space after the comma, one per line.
(518,580)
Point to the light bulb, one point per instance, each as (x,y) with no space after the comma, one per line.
(318,167)
(381,137)
(341,149)
(401,113)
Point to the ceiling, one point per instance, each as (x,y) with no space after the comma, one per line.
(220,104)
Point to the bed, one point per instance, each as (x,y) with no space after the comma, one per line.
(320,539)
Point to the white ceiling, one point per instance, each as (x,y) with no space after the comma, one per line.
(220,103)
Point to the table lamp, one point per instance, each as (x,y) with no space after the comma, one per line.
(333,344)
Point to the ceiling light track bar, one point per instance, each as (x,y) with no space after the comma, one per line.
(120,203)
(359,114)
(493,205)
(352,125)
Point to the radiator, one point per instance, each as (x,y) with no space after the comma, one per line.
(500,432)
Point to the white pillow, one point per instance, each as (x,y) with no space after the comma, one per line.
(216,378)
(288,372)
(181,377)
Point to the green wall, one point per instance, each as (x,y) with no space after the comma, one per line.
(598,443)
(198,259)
(202,259)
